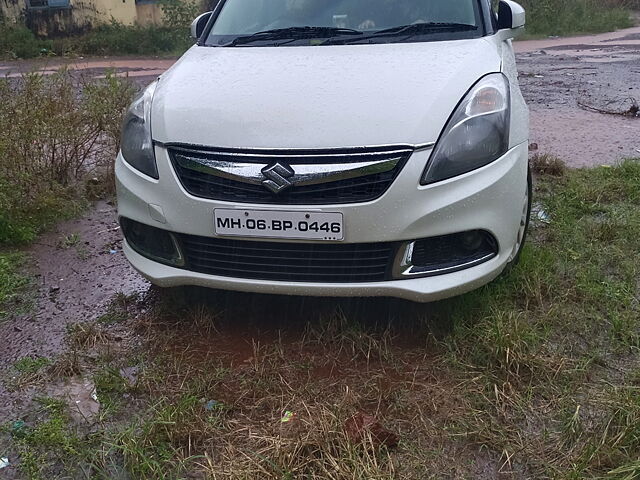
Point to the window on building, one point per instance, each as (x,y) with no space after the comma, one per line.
(48,3)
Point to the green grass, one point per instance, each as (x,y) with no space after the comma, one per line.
(50,441)
(21,224)
(570,17)
(70,240)
(29,365)
(118,309)
(536,375)
(13,281)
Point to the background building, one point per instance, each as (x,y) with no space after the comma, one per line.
(49,18)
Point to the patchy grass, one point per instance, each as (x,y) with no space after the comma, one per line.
(50,442)
(27,371)
(536,375)
(85,335)
(29,365)
(545,164)
(70,240)
(73,240)
(118,310)
(570,17)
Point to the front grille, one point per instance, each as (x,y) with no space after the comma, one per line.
(364,188)
(292,262)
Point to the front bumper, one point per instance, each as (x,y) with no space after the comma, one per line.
(490,199)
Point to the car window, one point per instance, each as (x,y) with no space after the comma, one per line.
(241,17)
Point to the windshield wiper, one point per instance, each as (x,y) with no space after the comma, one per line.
(292,33)
(410,30)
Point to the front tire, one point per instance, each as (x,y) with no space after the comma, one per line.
(523,228)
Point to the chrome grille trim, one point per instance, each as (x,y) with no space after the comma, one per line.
(305,174)
(308,152)
(288,177)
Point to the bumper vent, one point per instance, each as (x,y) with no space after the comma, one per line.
(290,262)
(447,254)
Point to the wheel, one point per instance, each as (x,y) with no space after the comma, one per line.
(523,228)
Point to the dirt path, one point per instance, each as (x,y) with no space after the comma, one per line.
(128,66)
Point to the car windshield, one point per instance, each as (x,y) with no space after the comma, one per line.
(325,22)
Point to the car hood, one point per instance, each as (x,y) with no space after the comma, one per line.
(317,97)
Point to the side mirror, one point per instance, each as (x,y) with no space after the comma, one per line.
(198,25)
(511,16)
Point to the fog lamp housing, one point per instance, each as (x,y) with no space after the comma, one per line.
(444,254)
(153,243)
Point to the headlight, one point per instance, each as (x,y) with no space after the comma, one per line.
(136,144)
(477,133)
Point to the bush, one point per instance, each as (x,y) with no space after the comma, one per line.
(178,14)
(117,39)
(56,131)
(17,41)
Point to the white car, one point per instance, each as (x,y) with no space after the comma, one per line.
(332,148)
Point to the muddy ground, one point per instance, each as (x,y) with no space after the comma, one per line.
(565,82)
(568,83)
(72,283)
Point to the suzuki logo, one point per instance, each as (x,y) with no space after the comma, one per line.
(276,177)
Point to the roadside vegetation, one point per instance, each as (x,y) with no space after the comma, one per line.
(60,135)
(570,17)
(17,41)
(172,38)
(534,376)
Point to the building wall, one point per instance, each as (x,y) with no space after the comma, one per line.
(79,17)
(11,9)
(148,13)
(122,11)
(55,22)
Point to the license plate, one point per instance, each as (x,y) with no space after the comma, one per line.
(278,224)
